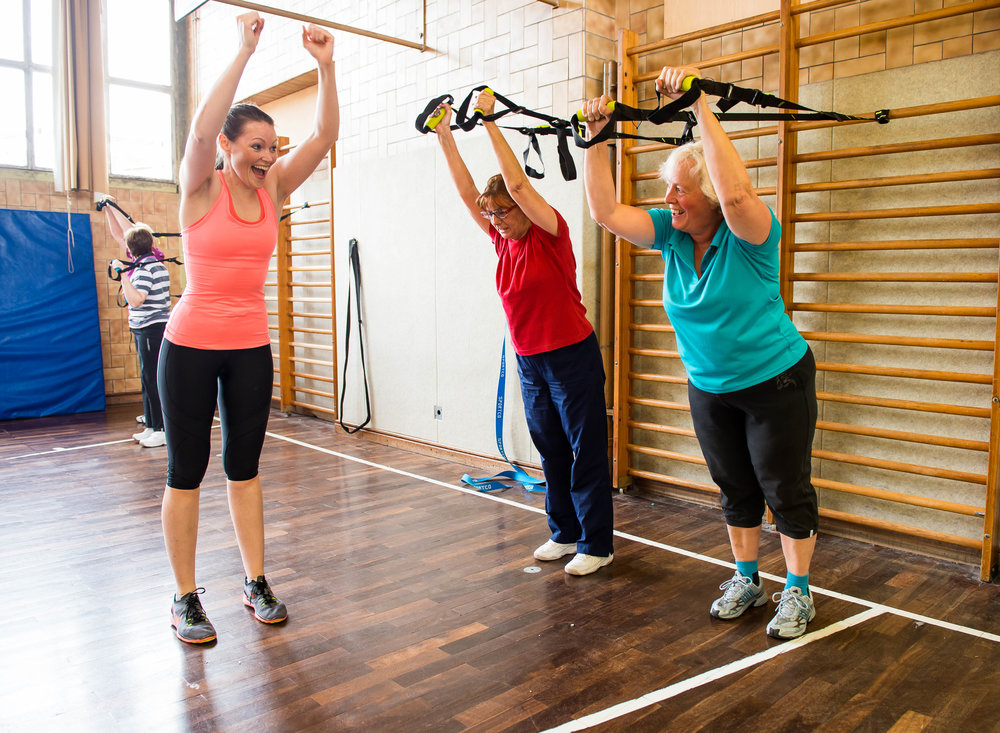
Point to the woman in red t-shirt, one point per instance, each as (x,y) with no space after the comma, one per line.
(558,357)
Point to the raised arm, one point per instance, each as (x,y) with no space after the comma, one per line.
(292,169)
(117,224)
(519,187)
(198,163)
(628,222)
(460,175)
(747,216)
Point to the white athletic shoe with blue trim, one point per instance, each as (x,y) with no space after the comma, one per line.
(795,610)
(740,593)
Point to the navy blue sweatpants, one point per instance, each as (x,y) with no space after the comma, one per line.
(563,392)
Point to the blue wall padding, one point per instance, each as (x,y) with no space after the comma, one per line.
(50,335)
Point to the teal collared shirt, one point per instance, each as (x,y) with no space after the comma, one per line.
(731,327)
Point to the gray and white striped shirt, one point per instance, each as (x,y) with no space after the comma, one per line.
(153,279)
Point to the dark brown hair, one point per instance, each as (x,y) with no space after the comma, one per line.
(236,119)
(139,240)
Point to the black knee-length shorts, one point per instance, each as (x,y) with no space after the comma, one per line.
(191,383)
(758,445)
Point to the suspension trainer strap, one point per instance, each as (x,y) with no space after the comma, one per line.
(427,120)
(673,112)
(495,482)
(108,202)
(566,164)
(304,205)
(677,110)
(117,274)
(729,96)
(356,272)
(533,145)
(553,126)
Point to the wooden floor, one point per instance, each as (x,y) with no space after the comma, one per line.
(413,608)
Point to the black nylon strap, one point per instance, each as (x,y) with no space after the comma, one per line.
(533,145)
(421,122)
(108,202)
(356,272)
(463,120)
(117,274)
(554,126)
(566,163)
(673,112)
(728,95)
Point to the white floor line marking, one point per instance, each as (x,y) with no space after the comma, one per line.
(818,590)
(665,693)
(59,449)
(652,543)
(416,476)
(985,635)
(64,450)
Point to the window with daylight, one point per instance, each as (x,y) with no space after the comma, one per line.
(139,86)
(140,93)
(26,127)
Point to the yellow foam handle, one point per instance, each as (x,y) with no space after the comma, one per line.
(686,84)
(486,89)
(581,116)
(434,119)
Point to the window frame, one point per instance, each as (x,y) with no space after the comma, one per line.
(28,68)
(169,90)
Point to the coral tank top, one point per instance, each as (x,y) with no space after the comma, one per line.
(225,260)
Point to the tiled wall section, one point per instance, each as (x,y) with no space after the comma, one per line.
(158,208)
(549,59)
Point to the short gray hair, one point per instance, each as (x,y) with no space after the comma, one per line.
(695,153)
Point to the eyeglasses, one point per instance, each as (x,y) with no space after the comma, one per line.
(498,214)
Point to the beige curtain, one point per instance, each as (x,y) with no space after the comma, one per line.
(81,161)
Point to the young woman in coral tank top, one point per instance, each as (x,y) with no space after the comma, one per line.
(216,349)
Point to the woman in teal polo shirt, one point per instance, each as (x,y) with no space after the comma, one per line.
(751,375)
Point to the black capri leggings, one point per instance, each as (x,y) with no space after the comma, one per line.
(191,382)
(758,445)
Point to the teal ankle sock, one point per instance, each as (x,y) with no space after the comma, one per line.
(748,569)
(798,581)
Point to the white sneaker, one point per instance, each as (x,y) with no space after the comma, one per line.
(155,439)
(553,551)
(141,418)
(586,564)
(139,437)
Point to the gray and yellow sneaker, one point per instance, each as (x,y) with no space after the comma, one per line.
(258,596)
(795,610)
(740,593)
(189,620)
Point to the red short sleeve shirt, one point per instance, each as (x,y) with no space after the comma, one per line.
(536,280)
